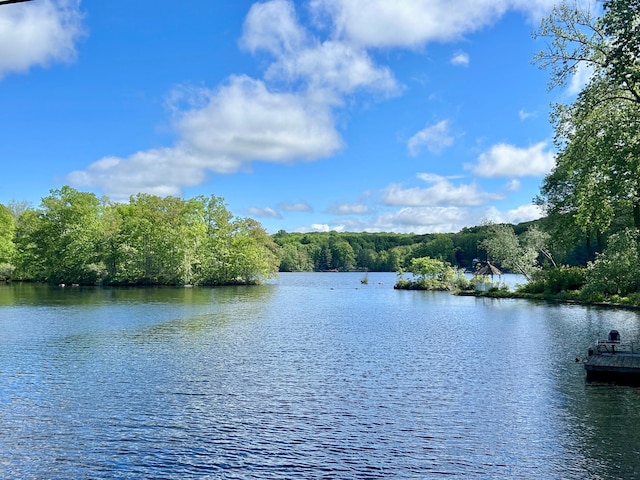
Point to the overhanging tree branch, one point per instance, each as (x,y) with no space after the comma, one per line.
(5,2)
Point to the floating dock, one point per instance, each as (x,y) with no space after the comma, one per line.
(613,361)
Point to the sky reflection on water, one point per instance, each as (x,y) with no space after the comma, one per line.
(315,376)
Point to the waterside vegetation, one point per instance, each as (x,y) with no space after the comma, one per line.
(76,238)
(585,248)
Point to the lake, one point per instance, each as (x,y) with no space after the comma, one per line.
(310,376)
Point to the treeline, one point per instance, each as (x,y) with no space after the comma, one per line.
(375,252)
(392,252)
(77,238)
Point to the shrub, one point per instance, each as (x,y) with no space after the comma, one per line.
(617,270)
(432,274)
(554,281)
(6,271)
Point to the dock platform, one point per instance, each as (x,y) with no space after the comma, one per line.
(613,361)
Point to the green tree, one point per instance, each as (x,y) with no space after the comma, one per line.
(29,260)
(506,249)
(621,26)
(254,254)
(595,181)
(231,250)
(7,246)
(430,274)
(142,241)
(342,255)
(215,266)
(295,258)
(440,246)
(617,270)
(60,241)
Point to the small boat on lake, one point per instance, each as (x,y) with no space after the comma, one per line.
(613,361)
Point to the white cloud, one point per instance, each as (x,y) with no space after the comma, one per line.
(580,79)
(525,115)
(244,121)
(272,26)
(434,137)
(323,227)
(160,172)
(413,23)
(296,207)
(504,160)
(443,219)
(524,213)
(348,209)
(441,192)
(334,66)
(513,185)
(421,220)
(38,33)
(230,128)
(405,23)
(264,212)
(460,58)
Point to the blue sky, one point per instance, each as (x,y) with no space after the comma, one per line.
(350,115)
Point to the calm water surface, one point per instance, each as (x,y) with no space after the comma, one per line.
(314,376)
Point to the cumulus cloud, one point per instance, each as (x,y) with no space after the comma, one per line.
(460,58)
(264,212)
(245,121)
(524,213)
(440,192)
(412,23)
(240,122)
(435,137)
(504,160)
(323,227)
(273,27)
(38,33)
(299,56)
(513,185)
(405,23)
(334,67)
(348,209)
(296,207)
(159,172)
(421,220)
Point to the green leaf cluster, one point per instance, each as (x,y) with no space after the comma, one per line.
(376,252)
(431,274)
(519,254)
(594,189)
(75,237)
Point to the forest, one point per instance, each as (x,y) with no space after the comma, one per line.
(76,238)
(587,245)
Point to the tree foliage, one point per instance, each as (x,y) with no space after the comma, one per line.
(596,179)
(74,237)
(430,274)
(517,253)
(7,247)
(616,271)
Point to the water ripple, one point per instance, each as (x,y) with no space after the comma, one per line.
(348,384)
